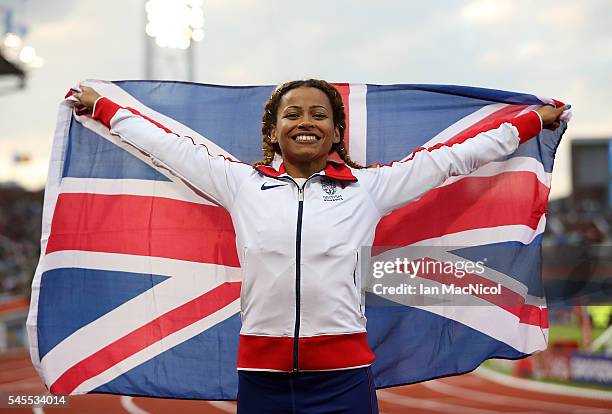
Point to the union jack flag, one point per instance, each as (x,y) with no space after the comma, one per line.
(137,289)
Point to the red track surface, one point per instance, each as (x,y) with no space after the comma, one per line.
(470,393)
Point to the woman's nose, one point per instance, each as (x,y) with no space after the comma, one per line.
(306,123)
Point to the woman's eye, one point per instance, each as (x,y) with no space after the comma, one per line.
(320,116)
(292,116)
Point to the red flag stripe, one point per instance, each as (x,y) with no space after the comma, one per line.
(168,323)
(489,122)
(345,90)
(508,299)
(143,225)
(471,203)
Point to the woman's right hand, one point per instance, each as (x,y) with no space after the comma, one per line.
(550,115)
(87,97)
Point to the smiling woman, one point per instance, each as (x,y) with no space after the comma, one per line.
(304,131)
(308,112)
(299,230)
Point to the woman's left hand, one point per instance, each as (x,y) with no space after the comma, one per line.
(550,115)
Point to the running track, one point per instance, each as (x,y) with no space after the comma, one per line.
(476,393)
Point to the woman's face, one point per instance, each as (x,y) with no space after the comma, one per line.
(304,127)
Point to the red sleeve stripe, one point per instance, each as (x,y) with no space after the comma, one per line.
(529,125)
(154,122)
(104,111)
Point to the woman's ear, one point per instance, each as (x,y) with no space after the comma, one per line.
(336,136)
(273,135)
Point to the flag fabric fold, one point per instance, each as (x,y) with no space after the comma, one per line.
(138,285)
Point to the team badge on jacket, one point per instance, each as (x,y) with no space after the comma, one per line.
(329,188)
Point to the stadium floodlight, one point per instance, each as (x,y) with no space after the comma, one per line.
(27,54)
(175,23)
(14,50)
(197,35)
(12,41)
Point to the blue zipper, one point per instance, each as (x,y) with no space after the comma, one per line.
(298,259)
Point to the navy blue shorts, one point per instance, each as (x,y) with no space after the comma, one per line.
(348,391)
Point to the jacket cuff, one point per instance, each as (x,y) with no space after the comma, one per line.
(104,109)
(529,125)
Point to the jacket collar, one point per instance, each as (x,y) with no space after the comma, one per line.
(334,170)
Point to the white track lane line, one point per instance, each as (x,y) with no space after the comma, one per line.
(471,394)
(231,408)
(528,412)
(404,401)
(130,406)
(39,410)
(532,385)
(224,406)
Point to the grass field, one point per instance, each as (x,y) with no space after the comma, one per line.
(569,333)
(557,333)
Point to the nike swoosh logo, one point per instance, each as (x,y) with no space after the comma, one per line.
(267,187)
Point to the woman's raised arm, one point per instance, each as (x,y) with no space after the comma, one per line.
(216,176)
(394,185)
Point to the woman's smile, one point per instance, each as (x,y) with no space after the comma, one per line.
(306,138)
(305,129)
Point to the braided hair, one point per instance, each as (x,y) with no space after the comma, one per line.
(271,110)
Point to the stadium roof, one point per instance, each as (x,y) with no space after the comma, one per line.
(8,68)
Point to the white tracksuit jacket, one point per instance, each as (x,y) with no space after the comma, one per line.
(301,305)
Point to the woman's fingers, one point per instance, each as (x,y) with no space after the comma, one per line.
(550,114)
(86,96)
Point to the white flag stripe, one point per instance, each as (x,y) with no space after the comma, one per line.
(492,321)
(358,126)
(546,100)
(529,108)
(146,265)
(121,97)
(159,347)
(498,324)
(123,320)
(151,188)
(463,124)
(157,165)
(56,166)
(515,164)
(488,235)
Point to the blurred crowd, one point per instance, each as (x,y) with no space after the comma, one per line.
(20,226)
(578,222)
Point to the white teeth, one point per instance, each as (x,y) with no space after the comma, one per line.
(306,138)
